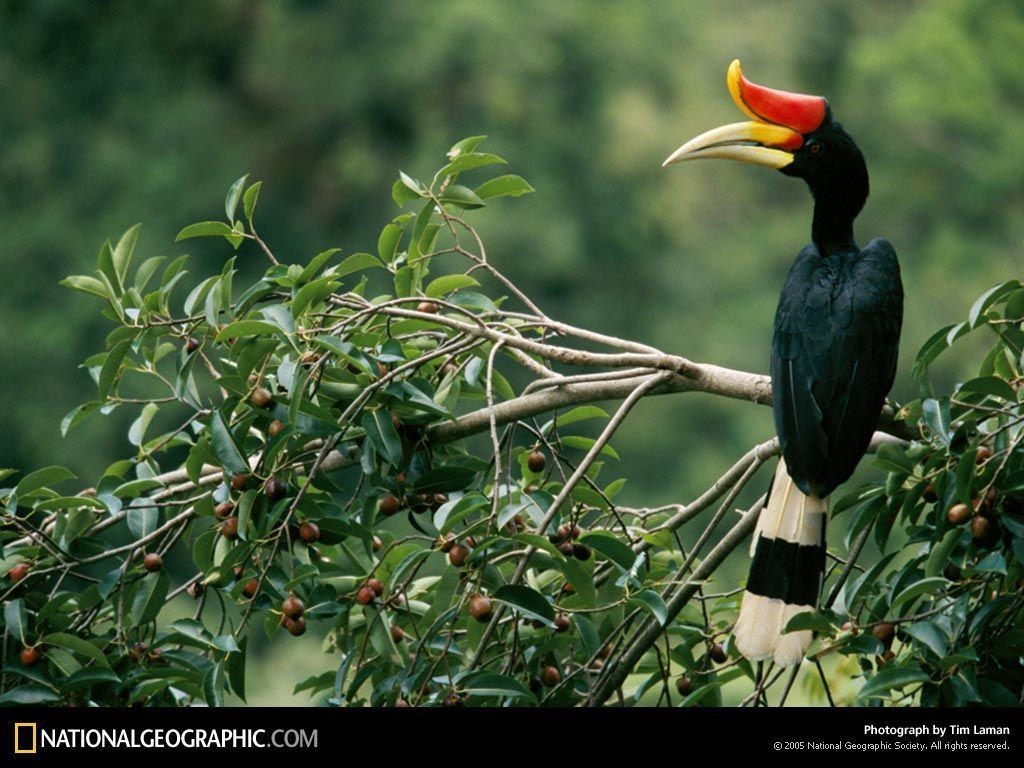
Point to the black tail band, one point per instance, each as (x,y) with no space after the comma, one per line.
(787,571)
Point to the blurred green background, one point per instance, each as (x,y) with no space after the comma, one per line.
(118,112)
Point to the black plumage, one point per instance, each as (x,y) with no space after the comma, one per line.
(834,350)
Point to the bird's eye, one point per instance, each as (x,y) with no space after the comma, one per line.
(815,148)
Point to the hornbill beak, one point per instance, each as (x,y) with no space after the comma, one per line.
(780,120)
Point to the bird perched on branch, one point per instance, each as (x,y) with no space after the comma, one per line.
(833,356)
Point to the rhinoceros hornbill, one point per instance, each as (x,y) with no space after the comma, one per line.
(833,355)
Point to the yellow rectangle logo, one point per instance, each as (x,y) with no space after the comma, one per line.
(24,738)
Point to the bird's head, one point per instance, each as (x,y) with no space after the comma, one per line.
(791,132)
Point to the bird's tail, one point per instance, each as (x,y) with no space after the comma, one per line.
(788,553)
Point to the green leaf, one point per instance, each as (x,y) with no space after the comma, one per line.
(483,683)
(528,601)
(247,328)
(381,432)
(509,185)
(461,197)
(112,366)
(467,161)
(990,297)
(930,636)
(31,693)
(77,645)
(893,457)
(15,619)
(90,676)
(448,283)
(122,253)
(990,385)
(249,200)
(225,447)
(85,284)
(581,443)
(936,416)
(445,479)
(613,549)
(234,193)
(236,669)
(892,677)
(150,596)
(387,243)
(312,269)
(653,602)
(204,229)
(137,432)
(810,620)
(42,478)
(76,416)
(940,553)
(143,520)
(927,585)
(357,262)
(468,144)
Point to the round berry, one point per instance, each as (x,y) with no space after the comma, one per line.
(292,607)
(261,398)
(536,461)
(376,585)
(309,532)
(229,528)
(224,510)
(457,555)
(295,627)
(365,595)
(153,562)
(480,607)
(550,676)
(30,656)
(390,504)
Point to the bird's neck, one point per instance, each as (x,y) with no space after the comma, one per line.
(832,226)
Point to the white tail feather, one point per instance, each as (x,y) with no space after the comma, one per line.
(791,516)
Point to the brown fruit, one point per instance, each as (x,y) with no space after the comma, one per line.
(480,607)
(191,345)
(292,607)
(717,653)
(400,702)
(606,650)
(597,665)
(550,676)
(224,510)
(983,530)
(137,651)
(261,398)
(251,588)
(457,555)
(563,532)
(377,543)
(400,478)
(397,635)
(155,655)
(18,572)
(447,542)
(275,488)
(562,623)
(440,499)
(229,528)
(30,656)
(452,700)
(295,627)
(885,658)
(309,532)
(153,562)
(884,633)
(309,357)
(581,551)
(929,494)
(390,504)
(959,513)
(684,685)
(536,461)
(849,626)
(275,427)
(567,548)
(239,481)
(427,307)
(195,589)
(365,595)
(376,585)
(983,454)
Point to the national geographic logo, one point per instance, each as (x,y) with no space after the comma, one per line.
(25,742)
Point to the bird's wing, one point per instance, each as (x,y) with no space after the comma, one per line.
(833,359)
